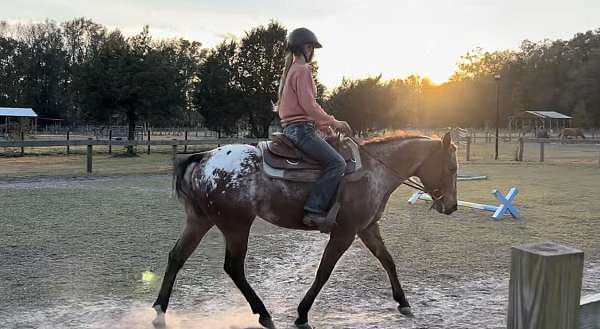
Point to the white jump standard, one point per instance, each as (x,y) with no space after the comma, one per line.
(499,211)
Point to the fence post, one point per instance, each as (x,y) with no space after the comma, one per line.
(110,141)
(148,141)
(174,151)
(22,139)
(521,148)
(541,151)
(468,155)
(68,137)
(545,286)
(185,145)
(88,169)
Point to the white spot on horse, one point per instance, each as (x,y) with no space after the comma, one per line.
(228,164)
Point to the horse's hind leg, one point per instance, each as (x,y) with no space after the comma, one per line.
(336,247)
(195,229)
(236,240)
(372,239)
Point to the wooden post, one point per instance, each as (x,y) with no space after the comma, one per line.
(110,141)
(68,150)
(148,141)
(521,148)
(89,159)
(22,139)
(542,152)
(185,145)
(174,152)
(544,287)
(468,155)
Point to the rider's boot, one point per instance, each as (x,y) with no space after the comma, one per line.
(322,221)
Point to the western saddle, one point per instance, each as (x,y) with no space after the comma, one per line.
(282,160)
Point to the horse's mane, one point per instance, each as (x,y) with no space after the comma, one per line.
(391,136)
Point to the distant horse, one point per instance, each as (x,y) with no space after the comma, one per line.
(227,188)
(568,132)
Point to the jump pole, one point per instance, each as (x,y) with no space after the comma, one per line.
(499,211)
(468,178)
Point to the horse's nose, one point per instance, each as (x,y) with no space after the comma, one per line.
(451,209)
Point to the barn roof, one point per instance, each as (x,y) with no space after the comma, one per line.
(549,114)
(17,112)
(542,115)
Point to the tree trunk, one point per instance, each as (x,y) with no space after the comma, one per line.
(265,130)
(131,132)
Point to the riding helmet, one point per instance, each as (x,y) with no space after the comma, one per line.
(301,36)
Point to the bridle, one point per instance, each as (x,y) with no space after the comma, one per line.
(436,194)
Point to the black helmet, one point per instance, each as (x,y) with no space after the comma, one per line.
(301,36)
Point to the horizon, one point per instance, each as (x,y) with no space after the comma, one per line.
(429,47)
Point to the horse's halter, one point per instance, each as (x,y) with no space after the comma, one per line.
(436,194)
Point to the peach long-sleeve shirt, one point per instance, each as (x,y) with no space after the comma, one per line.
(298,100)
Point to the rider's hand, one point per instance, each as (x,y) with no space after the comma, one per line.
(342,126)
(327,130)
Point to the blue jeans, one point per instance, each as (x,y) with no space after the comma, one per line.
(303,135)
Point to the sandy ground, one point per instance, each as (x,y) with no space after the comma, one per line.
(73,251)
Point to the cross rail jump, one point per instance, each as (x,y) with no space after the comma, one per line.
(505,207)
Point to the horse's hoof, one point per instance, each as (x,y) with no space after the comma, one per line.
(303,326)
(406,311)
(266,322)
(159,321)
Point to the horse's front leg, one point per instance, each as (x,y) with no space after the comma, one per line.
(337,245)
(371,237)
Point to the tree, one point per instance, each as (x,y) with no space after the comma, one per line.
(364,103)
(131,79)
(217,94)
(260,63)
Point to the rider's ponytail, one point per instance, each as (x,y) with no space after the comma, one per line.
(289,58)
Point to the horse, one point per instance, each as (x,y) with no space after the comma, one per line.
(568,132)
(226,188)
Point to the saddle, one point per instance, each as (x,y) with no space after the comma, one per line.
(281,159)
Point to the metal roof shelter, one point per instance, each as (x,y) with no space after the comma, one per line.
(540,120)
(17,112)
(27,120)
(548,114)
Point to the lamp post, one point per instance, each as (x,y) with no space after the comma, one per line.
(497,77)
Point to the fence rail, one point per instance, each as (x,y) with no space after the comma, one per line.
(522,141)
(84,142)
(89,143)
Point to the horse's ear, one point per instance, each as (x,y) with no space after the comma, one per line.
(447,141)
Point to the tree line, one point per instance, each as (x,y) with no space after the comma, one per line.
(81,71)
(551,75)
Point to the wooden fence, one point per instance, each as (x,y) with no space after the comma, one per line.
(91,142)
(545,289)
(541,145)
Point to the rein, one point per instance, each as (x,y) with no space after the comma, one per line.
(406,181)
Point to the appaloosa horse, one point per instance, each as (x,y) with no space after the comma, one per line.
(227,188)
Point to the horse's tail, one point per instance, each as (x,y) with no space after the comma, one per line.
(181,185)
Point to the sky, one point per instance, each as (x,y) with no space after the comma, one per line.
(360,38)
